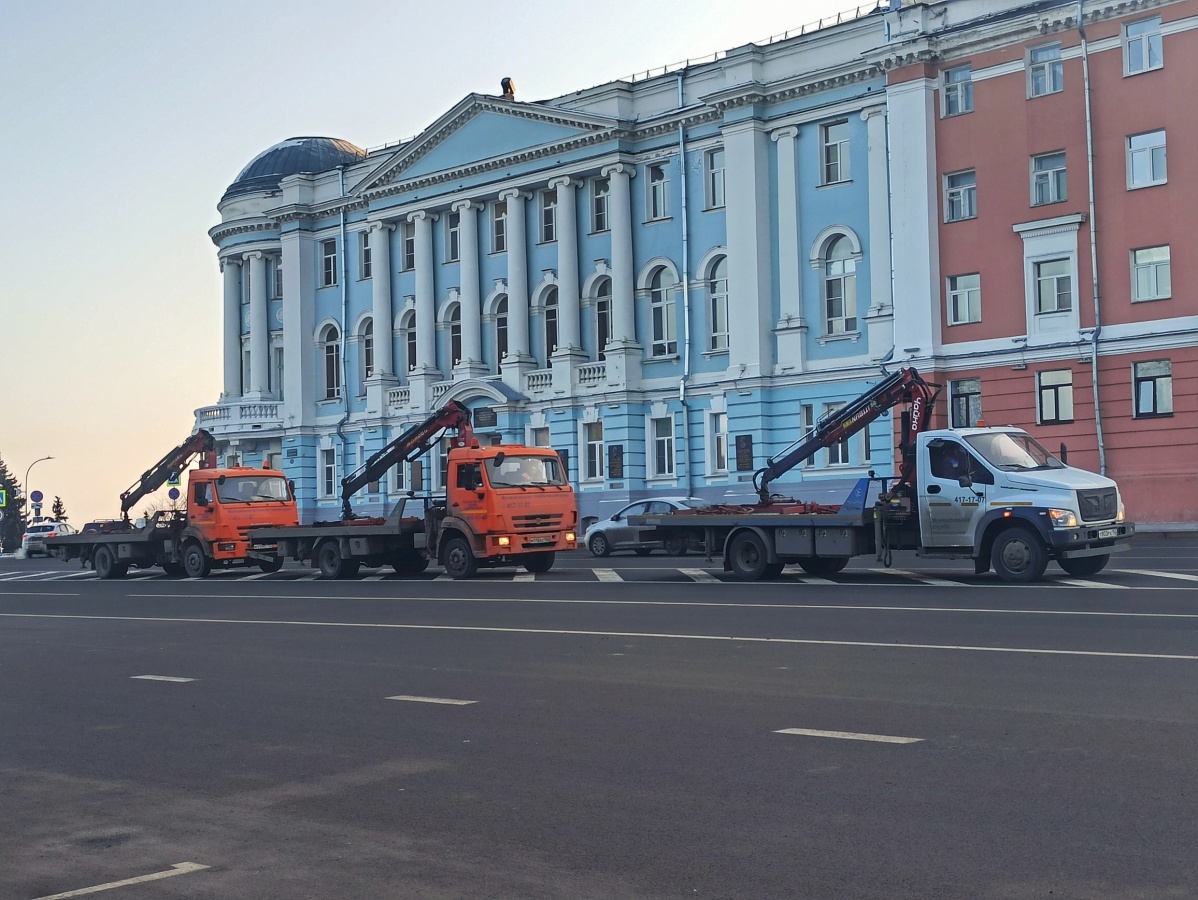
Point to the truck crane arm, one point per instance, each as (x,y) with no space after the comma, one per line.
(905,385)
(170,465)
(413,443)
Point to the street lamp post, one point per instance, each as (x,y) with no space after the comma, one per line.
(25,484)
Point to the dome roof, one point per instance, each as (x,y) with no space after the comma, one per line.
(294,156)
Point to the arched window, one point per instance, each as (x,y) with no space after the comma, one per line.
(840,288)
(717,294)
(408,327)
(500,332)
(367,355)
(603,333)
(455,335)
(330,348)
(664,324)
(550,323)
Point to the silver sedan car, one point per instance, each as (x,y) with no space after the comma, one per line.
(609,535)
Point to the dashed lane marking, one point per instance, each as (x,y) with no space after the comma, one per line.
(850,736)
(699,575)
(607,575)
(182,868)
(173,678)
(442,700)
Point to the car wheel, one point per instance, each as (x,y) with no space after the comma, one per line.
(196,563)
(1084,566)
(540,562)
(599,545)
(747,556)
(458,558)
(1018,555)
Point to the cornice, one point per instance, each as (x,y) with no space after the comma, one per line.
(220,232)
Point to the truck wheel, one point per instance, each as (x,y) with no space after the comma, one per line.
(458,558)
(822,566)
(1018,556)
(330,561)
(410,563)
(675,546)
(172,568)
(599,545)
(196,563)
(747,556)
(1084,566)
(271,565)
(539,562)
(106,564)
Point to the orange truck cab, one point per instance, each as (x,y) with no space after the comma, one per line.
(222,506)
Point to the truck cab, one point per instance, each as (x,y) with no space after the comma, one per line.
(223,505)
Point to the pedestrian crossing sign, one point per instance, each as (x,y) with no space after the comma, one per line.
(3,497)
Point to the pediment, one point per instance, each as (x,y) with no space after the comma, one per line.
(480,129)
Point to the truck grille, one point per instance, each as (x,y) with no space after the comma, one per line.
(1098,505)
(538,522)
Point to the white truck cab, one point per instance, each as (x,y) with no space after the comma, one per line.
(997,495)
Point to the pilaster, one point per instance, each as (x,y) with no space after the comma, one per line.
(791,330)
(231,272)
(471,364)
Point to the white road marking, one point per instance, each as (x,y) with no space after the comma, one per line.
(569,632)
(813,579)
(700,575)
(444,576)
(182,868)
(850,736)
(924,579)
(607,575)
(161,678)
(72,575)
(443,700)
(374,577)
(524,576)
(1177,575)
(311,577)
(256,577)
(10,577)
(1083,583)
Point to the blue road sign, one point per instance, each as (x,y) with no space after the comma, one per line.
(36,496)
(173,493)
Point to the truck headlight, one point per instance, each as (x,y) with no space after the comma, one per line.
(571,537)
(504,541)
(1122,513)
(1063,518)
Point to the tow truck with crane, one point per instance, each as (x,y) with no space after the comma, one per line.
(505,505)
(993,495)
(221,506)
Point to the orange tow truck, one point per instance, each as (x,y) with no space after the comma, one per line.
(222,506)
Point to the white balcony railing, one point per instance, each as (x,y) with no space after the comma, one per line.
(440,388)
(540,381)
(400,396)
(591,374)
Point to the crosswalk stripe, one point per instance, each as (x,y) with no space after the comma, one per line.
(607,575)
(1083,583)
(1178,575)
(374,577)
(524,576)
(925,579)
(699,575)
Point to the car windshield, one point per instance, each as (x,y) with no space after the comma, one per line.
(525,471)
(693,503)
(1013,451)
(252,489)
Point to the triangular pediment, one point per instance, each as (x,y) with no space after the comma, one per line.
(479,129)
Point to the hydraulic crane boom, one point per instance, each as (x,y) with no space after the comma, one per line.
(905,385)
(413,443)
(171,464)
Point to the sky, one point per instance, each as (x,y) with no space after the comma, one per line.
(123,122)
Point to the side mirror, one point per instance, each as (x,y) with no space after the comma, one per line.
(220,479)
(965,481)
(499,458)
(1064,453)
(291,487)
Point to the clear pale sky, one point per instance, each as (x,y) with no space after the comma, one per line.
(123,123)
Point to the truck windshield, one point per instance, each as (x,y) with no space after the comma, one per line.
(525,471)
(1013,451)
(251,489)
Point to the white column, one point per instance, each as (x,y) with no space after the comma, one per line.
(231,269)
(380,277)
(570,335)
(750,281)
(517,275)
(299,314)
(259,327)
(426,307)
(791,329)
(471,365)
(879,318)
(623,274)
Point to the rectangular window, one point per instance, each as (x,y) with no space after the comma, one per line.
(277,372)
(1153,385)
(659,192)
(714,169)
(549,216)
(965,402)
(398,482)
(663,445)
(838,453)
(1054,286)
(807,423)
(1146,160)
(453,237)
(1143,49)
(1046,74)
(834,143)
(363,254)
(499,226)
(276,280)
(1055,397)
(956,91)
(539,437)
(1048,179)
(964,299)
(960,196)
(328,473)
(600,190)
(408,241)
(1151,278)
(593,438)
(328,260)
(718,423)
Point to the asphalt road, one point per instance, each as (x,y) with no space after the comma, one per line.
(626,727)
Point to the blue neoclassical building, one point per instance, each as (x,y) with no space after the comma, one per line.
(666,279)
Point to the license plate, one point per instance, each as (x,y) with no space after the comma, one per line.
(1108,533)
(541,540)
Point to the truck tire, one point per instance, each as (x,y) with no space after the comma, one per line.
(1018,555)
(747,556)
(599,545)
(270,565)
(539,562)
(1084,566)
(411,563)
(106,564)
(822,566)
(196,563)
(458,558)
(675,546)
(331,563)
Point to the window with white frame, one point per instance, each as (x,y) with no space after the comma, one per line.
(408,327)
(367,355)
(661,310)
(659,191)
(603,333)
(551,323)
(1153,385)
(1046,72)
(499,226)
(330,348)
(1146,163)
(548,216)
(276,278)
(662,430)
(328,263)
(1048,178)
(443,446)
(408,246)
(363,254)
(834,150)
(1054,286)
(965,402)
(717,293)
(453,237)
(455,334)
(1055,400)
(713,168)
(964,299)
(593,441)
(501,335)
(807,424)
(328,472)
(717,427)
(399,480)
(960,196)
(956,90)
(1151,277)
(600,191)
(539,437)
(838,453)
(277,372)
(840,288)
(1143,47)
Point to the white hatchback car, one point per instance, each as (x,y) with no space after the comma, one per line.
(615,533)
(34,539)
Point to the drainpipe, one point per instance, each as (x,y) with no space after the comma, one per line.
(344,328)
(1081,30)
(686,301)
